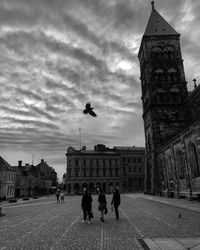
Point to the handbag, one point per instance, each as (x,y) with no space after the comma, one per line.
(105,210)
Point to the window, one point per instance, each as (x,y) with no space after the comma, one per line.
(110,162)
(76,162)
(129,159)
(116,172)
(84,172)
(134,160)
(110,170)
(76,172)
(139,169)
(97,162)
(104,162)
(84,162)
(69,174)
(90,162)
(139,160)
(97,172)
(8,190)
(91,172)
(123,159)
(104,172)
(135,169)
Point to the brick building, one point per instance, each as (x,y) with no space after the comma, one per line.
(170,113)
(105,168)
(34,180)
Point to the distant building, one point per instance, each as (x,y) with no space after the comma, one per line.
(105,168)
(132,161)
(7,180)
(34,180)
(170,113)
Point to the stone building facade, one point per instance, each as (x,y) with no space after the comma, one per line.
(132,168)
(170,113)
(7,180)
(105,168)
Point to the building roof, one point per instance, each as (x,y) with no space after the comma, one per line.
(129,148)
(158,26)
(5,165)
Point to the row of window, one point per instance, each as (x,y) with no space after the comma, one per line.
(131,160)
(11,176)
(105,173)
(91,173)
(93,162)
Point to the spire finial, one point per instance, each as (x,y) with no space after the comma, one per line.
(152,4)
(195,83)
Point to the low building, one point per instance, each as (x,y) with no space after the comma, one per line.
(7,179)
(103,168)
(34,180)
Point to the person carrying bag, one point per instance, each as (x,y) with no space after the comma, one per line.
(102,205)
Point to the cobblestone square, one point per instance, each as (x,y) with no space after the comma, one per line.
(44,224)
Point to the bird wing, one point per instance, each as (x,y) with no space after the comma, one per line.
(92,113)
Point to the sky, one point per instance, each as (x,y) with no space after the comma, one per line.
(57,55)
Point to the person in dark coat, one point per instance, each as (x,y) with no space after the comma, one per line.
(58,196)
(86,205)
(116,200)
(102,204)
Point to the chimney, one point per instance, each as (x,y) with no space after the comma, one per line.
(42,160)
(84,148)
(19,164)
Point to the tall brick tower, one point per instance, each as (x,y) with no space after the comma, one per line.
(164,90)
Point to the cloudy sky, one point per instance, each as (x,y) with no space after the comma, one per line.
(56,55)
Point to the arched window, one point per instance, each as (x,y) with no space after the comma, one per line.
(193,159)
(155,52)
(180,165)
(169,52)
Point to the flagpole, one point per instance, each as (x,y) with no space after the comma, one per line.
(80,137)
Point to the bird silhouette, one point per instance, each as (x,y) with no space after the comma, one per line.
(89,110)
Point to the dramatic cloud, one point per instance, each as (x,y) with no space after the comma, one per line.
(58,55)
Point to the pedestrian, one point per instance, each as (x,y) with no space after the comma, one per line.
(62,196)
(116,200)
(102,204)
(58,196)
(86,205)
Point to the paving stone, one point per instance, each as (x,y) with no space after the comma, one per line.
(44,224)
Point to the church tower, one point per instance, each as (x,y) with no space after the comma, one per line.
(164,90)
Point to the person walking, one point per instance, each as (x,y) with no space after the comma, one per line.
(116,200)
(58,196)
(102,204)
(62,196)
(86,205)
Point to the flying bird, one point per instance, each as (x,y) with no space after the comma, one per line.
(89,110)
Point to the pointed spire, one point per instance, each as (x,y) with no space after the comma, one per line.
(152,4)
(157,25)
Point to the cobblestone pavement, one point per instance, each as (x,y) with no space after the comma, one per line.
(44,224)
